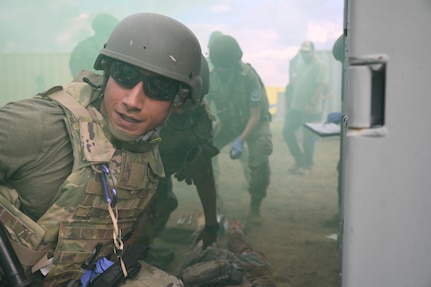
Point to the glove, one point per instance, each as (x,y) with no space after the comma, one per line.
(208,235)
(101,266)
(334,117)
(113,276)
(236,149)
(208,238)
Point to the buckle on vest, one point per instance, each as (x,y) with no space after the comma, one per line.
(110,193)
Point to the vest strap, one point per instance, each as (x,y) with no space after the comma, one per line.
(68,101)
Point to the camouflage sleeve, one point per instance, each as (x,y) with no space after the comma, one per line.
(20,136)
(213,273)
(35,152)
(255,89)
(222,267)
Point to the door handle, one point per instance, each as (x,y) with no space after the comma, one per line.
(365,91)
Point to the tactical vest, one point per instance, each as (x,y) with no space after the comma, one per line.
(79,218)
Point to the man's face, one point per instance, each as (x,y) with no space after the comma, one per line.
(226,72)
(132,110)
(306,55)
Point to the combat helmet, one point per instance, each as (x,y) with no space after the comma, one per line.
(225,51)
(205,75)
(159,44)
(214,35)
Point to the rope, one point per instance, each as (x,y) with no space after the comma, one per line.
(118,242)
(116,234)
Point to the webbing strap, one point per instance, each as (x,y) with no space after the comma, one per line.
(118,242)
(42,262)
(68,101)
(26,256)
(20,225)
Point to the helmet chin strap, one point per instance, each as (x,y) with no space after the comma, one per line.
(118,134)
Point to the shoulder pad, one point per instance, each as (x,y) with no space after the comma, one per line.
(50,91)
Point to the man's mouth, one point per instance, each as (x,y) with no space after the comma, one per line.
(128,119)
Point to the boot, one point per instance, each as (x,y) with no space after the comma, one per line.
(254,212)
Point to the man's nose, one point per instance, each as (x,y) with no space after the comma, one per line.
(135,97)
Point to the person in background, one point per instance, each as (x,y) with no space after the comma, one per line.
(242,108)
(304,105)
(80,163)
(83,55)
(338,51)
(214,35)
(244,158)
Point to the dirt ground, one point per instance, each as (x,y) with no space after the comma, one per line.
(302,249)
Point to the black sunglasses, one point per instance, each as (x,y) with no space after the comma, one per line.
(155,87)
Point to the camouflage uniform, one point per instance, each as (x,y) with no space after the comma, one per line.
(78,217)
(185,149)
(238,265)
(233,98)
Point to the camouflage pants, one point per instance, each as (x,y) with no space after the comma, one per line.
(255,265)
(259,145)
(244,164)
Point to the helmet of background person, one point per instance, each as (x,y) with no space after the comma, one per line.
(338,49)
(225,51)
(307,46)
(214,35)
(103,24)
(159,44)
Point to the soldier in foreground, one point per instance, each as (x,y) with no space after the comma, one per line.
(80,163)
